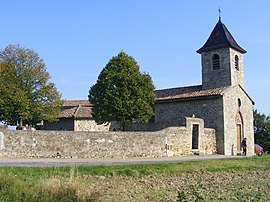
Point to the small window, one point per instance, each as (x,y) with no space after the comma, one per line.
(239,102)
(236,62)
(216,62)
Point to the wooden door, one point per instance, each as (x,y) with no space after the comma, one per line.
(239,136)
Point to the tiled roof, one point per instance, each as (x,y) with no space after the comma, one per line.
(77,109)
(83,112)
(75,103)
(169,92)
(67,112)
(220,38)
(186,92)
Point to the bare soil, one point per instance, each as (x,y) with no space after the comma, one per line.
(196,186)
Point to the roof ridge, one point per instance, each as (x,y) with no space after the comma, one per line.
(195,94)
(77,111)
(231,40)
(179,87)
(247,94)
(69,103)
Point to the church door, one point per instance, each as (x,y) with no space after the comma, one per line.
(239,131)
(239,137)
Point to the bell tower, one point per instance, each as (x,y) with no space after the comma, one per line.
(222,59)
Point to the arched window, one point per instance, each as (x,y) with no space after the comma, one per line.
(216,62)
(236,62)
(239,102)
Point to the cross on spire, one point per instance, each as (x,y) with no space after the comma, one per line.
(219,13)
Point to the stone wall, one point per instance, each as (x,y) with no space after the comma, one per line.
(89,125)
(173,141)
(237,105)
(237,74)
(173,114)
(71,124)
(227,75)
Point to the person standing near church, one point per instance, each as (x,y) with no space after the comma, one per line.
(244,146)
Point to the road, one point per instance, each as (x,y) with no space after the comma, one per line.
(57,162)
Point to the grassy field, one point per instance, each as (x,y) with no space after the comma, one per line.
(245,179)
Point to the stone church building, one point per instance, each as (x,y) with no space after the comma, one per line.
(221,101)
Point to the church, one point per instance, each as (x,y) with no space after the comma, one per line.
(221,101)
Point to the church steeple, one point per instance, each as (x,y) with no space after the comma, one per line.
(220,38)
(222,59)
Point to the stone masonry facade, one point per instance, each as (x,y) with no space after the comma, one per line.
(227,75)
(172,141)
(238,111)
(210,110)
(221,101)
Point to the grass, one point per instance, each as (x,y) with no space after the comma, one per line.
(82,183)
(222,165)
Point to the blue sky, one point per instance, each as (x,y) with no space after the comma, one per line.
(76,39)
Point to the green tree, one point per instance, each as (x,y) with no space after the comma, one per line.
(26,93)
(13,101)
(122,93)
(262,130)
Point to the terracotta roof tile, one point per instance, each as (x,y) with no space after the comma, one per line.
(74,103)
(187,92)
(68,112)
(77,109)
(83,112)
(176,91)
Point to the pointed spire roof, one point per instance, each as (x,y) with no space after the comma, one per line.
(220,38)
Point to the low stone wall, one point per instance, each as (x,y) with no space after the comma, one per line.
(173,141)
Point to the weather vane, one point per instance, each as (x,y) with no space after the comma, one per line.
(219,13)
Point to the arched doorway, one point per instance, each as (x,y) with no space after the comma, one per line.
(239,131)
